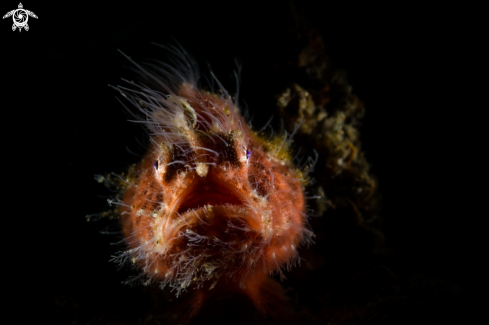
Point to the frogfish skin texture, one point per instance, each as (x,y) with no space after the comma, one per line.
(212,206)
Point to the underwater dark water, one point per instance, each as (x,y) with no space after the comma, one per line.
(62,124)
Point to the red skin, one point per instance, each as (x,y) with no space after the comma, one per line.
(255,220)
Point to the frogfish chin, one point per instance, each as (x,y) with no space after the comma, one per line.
(212,205)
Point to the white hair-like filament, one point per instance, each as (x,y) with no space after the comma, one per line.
(168,115)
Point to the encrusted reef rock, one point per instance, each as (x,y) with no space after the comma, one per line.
(319,98)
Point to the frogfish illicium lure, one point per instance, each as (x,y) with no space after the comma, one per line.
(212,206)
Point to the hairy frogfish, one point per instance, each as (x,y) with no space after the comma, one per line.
(213,205)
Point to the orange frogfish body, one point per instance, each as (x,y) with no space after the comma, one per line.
(211,203)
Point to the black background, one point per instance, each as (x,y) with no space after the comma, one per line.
(415,68)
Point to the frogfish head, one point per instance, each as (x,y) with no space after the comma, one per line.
(211,201)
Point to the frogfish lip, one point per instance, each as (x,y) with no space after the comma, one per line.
(210,198)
